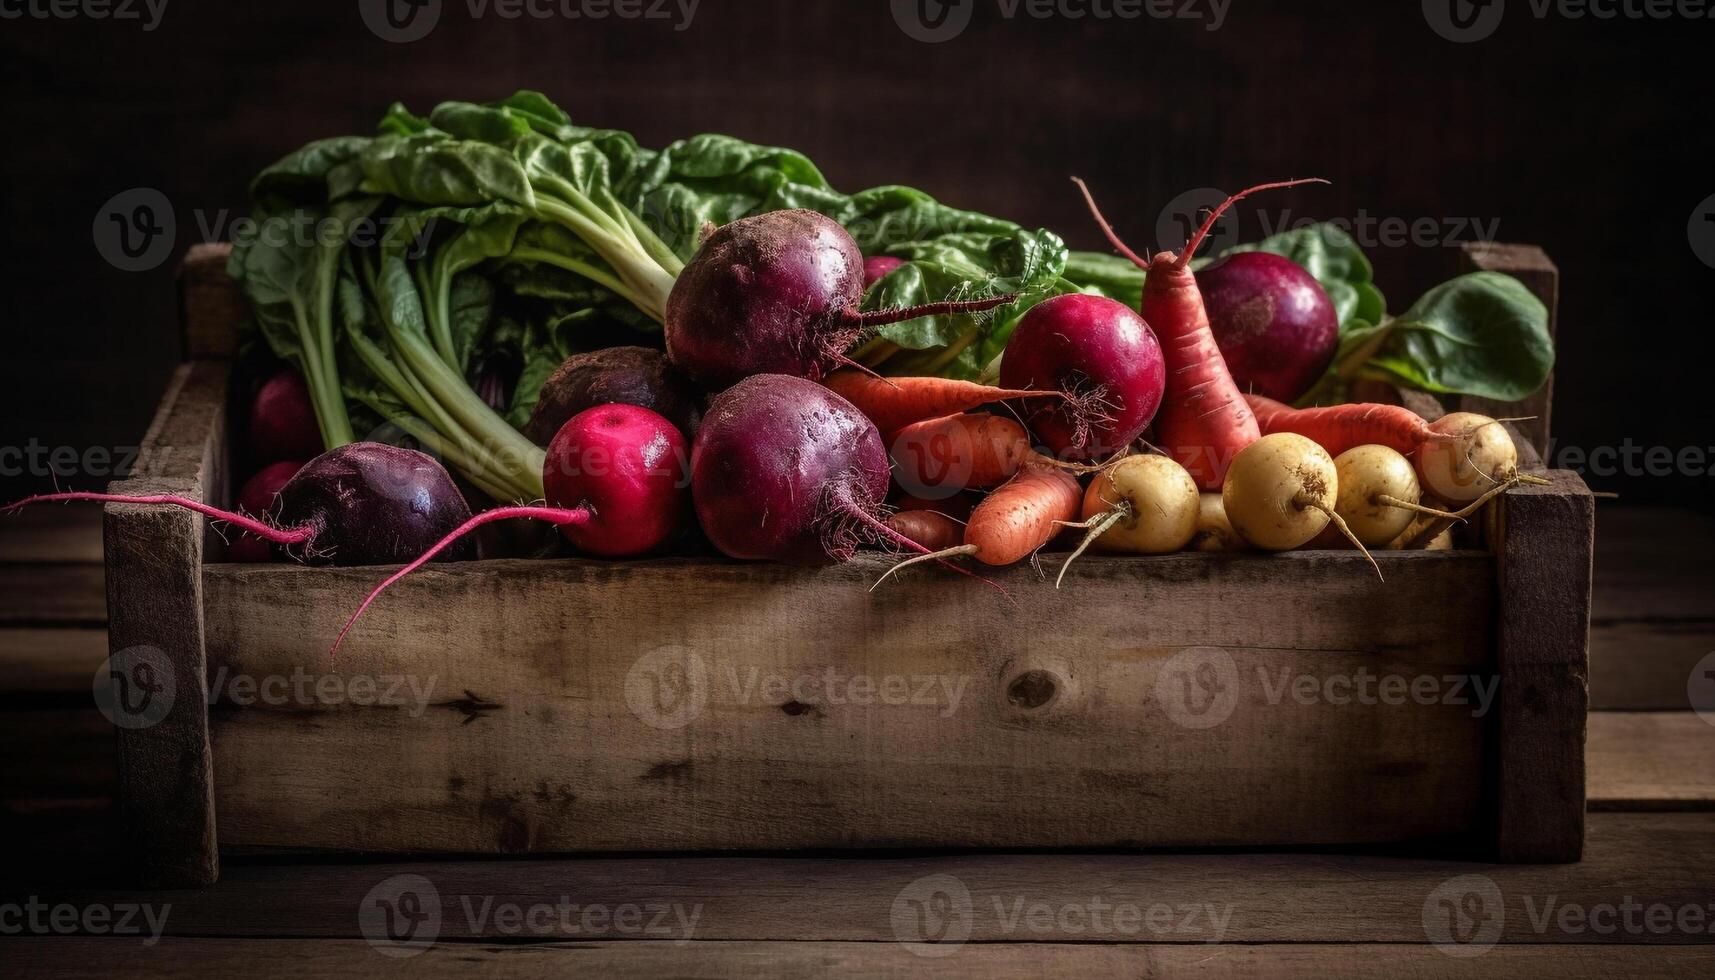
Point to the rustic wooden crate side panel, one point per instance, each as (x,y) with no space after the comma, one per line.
(211,304)
(582,706)
(155,608)
(1547,538)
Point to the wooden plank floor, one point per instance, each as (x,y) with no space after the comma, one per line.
(1642,903)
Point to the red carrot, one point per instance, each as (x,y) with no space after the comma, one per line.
(1338,428)
(959,452)
(1204,421)
(894,403)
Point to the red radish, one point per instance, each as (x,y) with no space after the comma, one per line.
(282,420)
(257,497)
(877,267)
(785,470)
(777,293)
(1094,351)
(615,375)
(1204,421)
(626,465)
(1461,457)
(894,403)
(929,529)
(1275,325)
(1016,520)
(941,457)
(361,504)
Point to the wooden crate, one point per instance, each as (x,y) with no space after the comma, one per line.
(685,704)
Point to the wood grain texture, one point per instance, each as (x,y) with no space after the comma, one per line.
(52,594)
(211,304)
(1654,859)
(1061,732)
(1546,544)
(1653,618)
(1531,266)
(51,534)
(42,663)
(154,597)
(71,959)
(1652,761)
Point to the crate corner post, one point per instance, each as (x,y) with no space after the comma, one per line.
(154,558)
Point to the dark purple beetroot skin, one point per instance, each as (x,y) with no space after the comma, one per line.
(615,376)
(768,294)
(1276,326)
(785,470)
(374,505)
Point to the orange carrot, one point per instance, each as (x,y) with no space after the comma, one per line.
(894,403)
(959,452)
(1338,428)
(927,528)
(1203,421)
(1015,521)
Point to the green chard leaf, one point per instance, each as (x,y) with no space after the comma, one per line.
(1481,334)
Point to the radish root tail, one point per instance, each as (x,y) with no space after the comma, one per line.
(268,532)
(940,556)
(1389,500)
(1340,523)
(553,515)
(1098,527)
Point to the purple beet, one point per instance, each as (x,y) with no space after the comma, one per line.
(877,267)
(615,376)
(777,293)
(373,504)
(1275,325)
(785,470)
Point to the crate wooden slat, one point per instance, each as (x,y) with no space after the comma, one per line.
(73,959)
(1295,897)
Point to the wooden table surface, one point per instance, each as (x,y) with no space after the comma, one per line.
(1642,903)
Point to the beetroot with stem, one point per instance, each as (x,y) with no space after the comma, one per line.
(361,504)
(1274,323)
(786,470)
(777,293)
(1103,357)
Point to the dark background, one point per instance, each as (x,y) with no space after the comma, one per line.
(1590,138)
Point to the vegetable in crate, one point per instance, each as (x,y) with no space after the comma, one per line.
(283,421)
(258,498)
(361,504)
(1101,363)
(617,375)
(1273,322)
(1280,493)
(785,470)
(1143,504)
